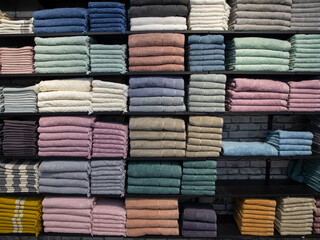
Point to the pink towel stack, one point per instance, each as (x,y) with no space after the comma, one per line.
(316,218)
(65,136)
(67,214)
(110,140)
(16,60)
(109,218)
(253,95)
(304,96)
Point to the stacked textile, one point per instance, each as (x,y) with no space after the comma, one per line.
(156,94)
(1,100)
(304,53)
(264,15)
(150,15)
(10,26)
(62,54)
(231,148)
(109,96)
(199,177)
(257,54)
(65,177)
(20,99)
(21,215)
(109,217)
(19,176)
(255,216)
(19,138)
(156,52)
(61,20)
(156,177)
(152,217)
(108,177)
(305,15)
(206,53)
(253,95)
(316,218)
(67,214)
(108,58)
(208,15)
(65,136)
(16,60)
(204,136)
(199,220)
(67,95)
(294,216)
(290,143)
(157,137)
(107,17)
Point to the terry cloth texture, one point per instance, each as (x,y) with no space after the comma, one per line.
(152,217)
(19,176)
(231,148)
(156,52)
(21,215)
(199,220)
(10,26)
(16,60)
(157,137)
(288,143)
(253,95)
(257,54)
(294,216)
(65,136)
(305,15)
(255,216)
(206,53)
(208,15)
(62,54)
(157,94)
(61,20)
(156,177)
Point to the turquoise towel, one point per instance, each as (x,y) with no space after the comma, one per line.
(197,183)
(67,63)
(108,47)
(206,188)
(199,171)
(77,40)
(155,169)
(152,190)
(199,164)
(61,50)
(83,69)
(197,192)
(162,182)
(188,177)
(259,43)
(52,57)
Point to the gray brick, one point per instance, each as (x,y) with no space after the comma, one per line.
(262,176)
(284,171)
(239,134)
(237,164)
(232,171)
(238,177)
(221,164)
(51,238)
(222,171)
(227,119)
(258,164)
(219,207)
(251,171)
(230,127)
(229,206)
(24,14)
(225,135)
(69,238)
(259,119)
(279,177)
(224,213)
(251,139)
(285,119)
(240,119)
(249,126)
(277,164)
(258,134)
(223,177)
(275,171)
(206,200)
(264,127)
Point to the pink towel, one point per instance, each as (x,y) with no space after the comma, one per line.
(109,146)
(64,154)
(297,109)
(110,132)
(318,203)
(78,212)
(64,136)
(257,108)
(294,100)
(258,85)
(67,230)
(316,225)
(304,96)
(256,95)
(87,121)
(97,231)
(99,154)
(112,221)
(305,91)
(64,143)
(304,105)
(99,217)
(65,149)
(110,206)
(68,202)
(110,226)
(257,102)
(105,125)
(65,218)
(65,129)
(313,84)
(316,231)
(110,141)
(316,219)
(113,137)
(107,150)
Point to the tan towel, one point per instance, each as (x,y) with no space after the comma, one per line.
(204,142)
(157,135)
(157,152)
(155,51)
(206,121)
(152,214)
(194,148)
(211,136)
(204,129)
(290,200)
(136,232)
(156,39)
(151,223)
(140,144)
(151,203)
(202,154)
(157,124)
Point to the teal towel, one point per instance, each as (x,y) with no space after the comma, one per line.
(61,50)
(197,183)
(108,47)
(199,171)
(83,69)
(162,182)
(197,192)
(259,43)
(67,63)
(77,40)
(199,164)
(152,190)
(155,169)
(52,57)
(206,188)
(188,177)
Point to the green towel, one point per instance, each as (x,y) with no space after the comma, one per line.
(258,60)
(305,60)
(199,164)
(198,183)
(261,67)
(60,57)
(206,92)
(155,169)
(115,60)
(162,182)
(83,69)
(304,50)
(259,43)
(197,192)
(152,190)
(199,171)
(61,50)
(207,85)
(306,65)
(257,53)
(107,69)
(101,57)
(107,52)
(67,63)
(107,47)
(298,69)
(304,55)
(206,188)
(305,41)
(187,177)
(77,40)
(217,78)
(306,46)
(305,36)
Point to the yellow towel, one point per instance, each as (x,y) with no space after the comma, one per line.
(259,202)
(22,201)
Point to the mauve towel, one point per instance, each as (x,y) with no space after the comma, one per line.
(307,84)
(155,92)
(157,60)
(256,95)
(62,121)
(158,68)
(156,51)
(259,85)
(156,39)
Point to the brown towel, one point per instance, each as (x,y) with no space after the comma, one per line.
(156,39)
(157,153)
(149,223)
(204,129)
(140,144)
(205,121)
(211,136)
(157,68)
(136,232)
(155,51)
(204,142)
(151,203)
(157,124)
(158,60)
(152,214)
(157,135)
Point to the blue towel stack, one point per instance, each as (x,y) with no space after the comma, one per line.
(289,143)
(107,17)
(232,148)
(60,20)
(206,53)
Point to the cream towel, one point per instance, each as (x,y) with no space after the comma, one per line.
(108,100)
(66,109)
(108,109)
(64,95)
(97,95)
(103,84)
(64,103)
(110,91)
(82,85)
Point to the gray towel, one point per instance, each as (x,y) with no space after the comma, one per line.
(165,101)
(157,108)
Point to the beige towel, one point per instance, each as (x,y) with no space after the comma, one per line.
(140,144)
(204,142)
(157,124)
(157,153)
(211,136)
(206,121)
(204,129)
(157,135)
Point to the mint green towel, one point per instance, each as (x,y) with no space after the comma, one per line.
(199,164)
(257,53)
(61,50)
(152,190)
(206,188)
(162,182)
(199,171)
(304,60)
(60,57)
(63,70)
(99,57)
(187,177)
(304,55)
(305,41)
(67,63)
(261,67)
(305,37)
(197,192)
(108,47)
(77,40)
(257,60)
(107,52)
(259,43)
(155,169)
(304,50)
(108,69)
(115,60)
(306,46)
(197,183)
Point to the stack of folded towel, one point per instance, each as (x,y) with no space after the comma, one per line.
(206,53)
(150,15)
(231,148)
(294,216)
(253,95)
(17,60)
(154,177)
(263,15)
(67,95)
(20,99)
(304,53)
(156,94)
(61,20)
(109,96)
(109,217)
(110,140)
(108,177)
(1,99)
(316,218)
(157,137)
(21,215)
(19,176)
(67,214)
(62,54)
(257,54)
(65,136)
(156,52)
(107,17)
(108,58)
(10,26)
(199,177)
(255,216)
(65,177)
(19,138)
(204,136)
(290,143)
(199,221)
(152,217)
(305,15)
(208,15)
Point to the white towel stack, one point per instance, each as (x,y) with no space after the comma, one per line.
(16,26)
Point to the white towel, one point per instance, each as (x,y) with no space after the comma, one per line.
(110,91)
(157,20)
(206,2)
(64,103)
(103,84)
(96,95)
(159,27)
(64,95)
(82,85)
(66,109)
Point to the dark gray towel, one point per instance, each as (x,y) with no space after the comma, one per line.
(159,2)
(159,11)
(199,212)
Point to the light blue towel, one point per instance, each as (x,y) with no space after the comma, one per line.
(210,52)
(60,22)
(206,68)
(248,149)
(206,47)
(206,57)
(290,134)
(106,5)
(207,39)
(61,13)
(157,81)
(290,141)
(295,153)
(206,63)
(155,92)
